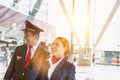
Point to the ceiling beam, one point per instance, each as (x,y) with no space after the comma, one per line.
(4,13)
(69,20)
(9,17)
(106,25)
(35,8)
(88,26)
(15,2)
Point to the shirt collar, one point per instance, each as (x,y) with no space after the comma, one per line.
(35,47)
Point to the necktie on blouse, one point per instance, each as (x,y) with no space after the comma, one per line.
(28,58)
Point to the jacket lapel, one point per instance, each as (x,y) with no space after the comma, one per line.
(20,57)
(58,68)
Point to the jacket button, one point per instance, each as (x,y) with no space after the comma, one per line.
(23,74)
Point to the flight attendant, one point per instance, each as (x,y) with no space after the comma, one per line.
(60,68)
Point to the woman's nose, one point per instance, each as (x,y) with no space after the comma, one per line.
(53,46)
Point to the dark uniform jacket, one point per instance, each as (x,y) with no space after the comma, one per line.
(36,68)
(64,71)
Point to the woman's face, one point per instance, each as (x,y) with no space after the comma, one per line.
(30,38)
(57,48)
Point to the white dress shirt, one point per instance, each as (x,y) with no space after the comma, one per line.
(32,50)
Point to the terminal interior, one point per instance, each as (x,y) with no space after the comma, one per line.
(91,26)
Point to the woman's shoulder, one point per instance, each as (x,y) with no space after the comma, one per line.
(69,64)
(69,67)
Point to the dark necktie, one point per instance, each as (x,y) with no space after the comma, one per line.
(28,58)
(55,59)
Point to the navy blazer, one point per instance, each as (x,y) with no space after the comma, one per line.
(64,71)
(34,71)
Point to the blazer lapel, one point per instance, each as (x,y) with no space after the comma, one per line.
(58,68)
(25,50)
(20,56)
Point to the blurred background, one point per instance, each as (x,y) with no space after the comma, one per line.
(91,26)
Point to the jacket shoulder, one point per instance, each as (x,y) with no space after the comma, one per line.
(69,65)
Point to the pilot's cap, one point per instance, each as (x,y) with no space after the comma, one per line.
(31,27)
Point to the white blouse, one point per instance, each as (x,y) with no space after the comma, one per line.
(52,67)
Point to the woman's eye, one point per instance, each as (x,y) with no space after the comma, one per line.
(56,44)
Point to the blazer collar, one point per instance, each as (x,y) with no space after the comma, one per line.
(59,67)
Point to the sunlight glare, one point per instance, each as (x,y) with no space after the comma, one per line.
(80,25)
